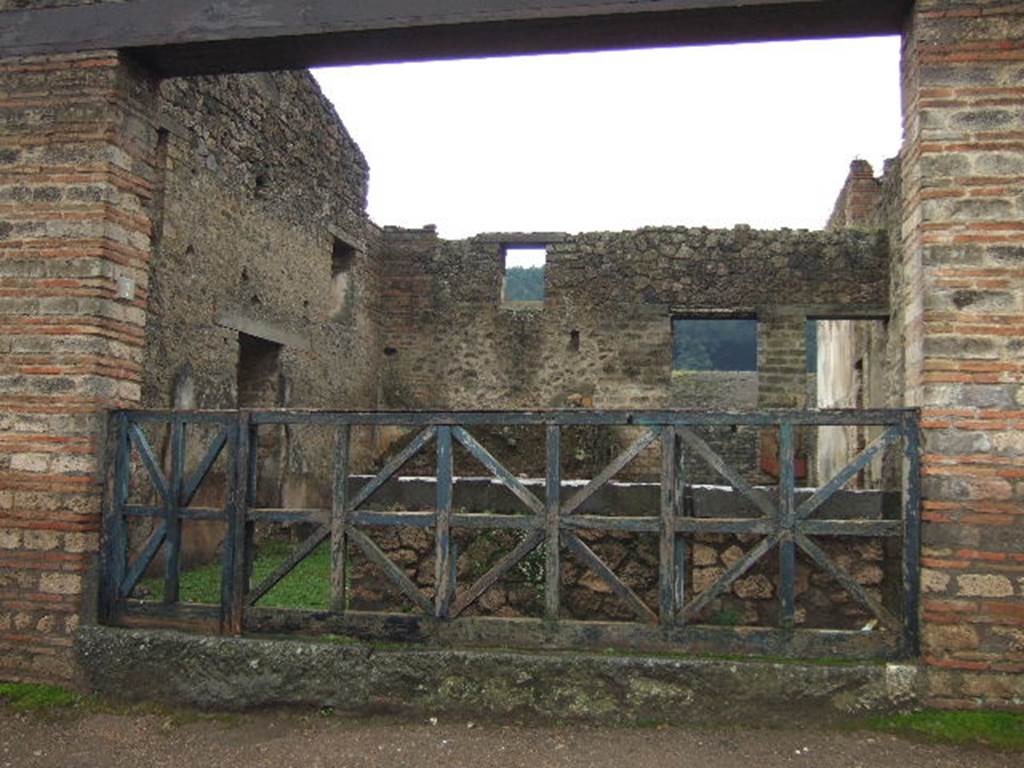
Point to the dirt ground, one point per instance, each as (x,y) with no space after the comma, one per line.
(311,740)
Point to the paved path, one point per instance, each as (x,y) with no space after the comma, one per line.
(287,739)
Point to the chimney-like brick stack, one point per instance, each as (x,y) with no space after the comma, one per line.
(859,201)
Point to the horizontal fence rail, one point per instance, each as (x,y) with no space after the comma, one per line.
(786,523)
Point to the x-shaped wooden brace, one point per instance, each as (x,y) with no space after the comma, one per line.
(586,555)
(166,490)
(526,546)
(341,525)
(790,525)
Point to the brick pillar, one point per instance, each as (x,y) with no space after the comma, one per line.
(963,265)
(76,180)
(782,361)
(782,382)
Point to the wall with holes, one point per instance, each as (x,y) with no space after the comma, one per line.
(262,283)
(260,180)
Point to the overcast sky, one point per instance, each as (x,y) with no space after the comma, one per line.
(716,136)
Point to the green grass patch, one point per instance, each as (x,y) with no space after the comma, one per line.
(307,586)
(999,730)
(30,697)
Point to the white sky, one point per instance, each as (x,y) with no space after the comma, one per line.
(715,136)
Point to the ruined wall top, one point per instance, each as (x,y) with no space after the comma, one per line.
(664,269)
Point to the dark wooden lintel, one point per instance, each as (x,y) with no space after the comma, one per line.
(190,37)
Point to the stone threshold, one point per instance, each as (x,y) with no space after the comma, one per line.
(231,673)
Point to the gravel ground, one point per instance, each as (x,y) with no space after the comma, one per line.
(303,740)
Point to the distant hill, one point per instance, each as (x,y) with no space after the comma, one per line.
(524,284)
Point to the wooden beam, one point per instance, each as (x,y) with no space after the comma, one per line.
(190,37)
(339,518)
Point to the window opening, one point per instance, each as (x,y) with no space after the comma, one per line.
(524,273)
(714,344)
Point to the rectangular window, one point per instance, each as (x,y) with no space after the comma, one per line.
(714,344)
(524,274)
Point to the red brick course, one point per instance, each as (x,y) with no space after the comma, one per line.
(964,230)
(75,188)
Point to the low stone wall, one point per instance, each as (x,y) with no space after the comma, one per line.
(235,673)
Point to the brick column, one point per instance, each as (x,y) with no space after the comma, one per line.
(782,383)
(76,179)
(963,269)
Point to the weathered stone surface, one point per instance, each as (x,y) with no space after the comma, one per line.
(604,331)
(939,638)
(984,585)
(236,673)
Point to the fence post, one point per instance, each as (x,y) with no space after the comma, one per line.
(552,542)
(235,580)
(679,509)
(912,536)
(339,518)
(444,585)
(787,546)
(116,549)
(667,536)
(172,511)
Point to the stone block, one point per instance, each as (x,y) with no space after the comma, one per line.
(756,587)
(41,540)
(704,555)
(30,462)
(705,577)
(942,638)
(995,688)
(10,538)
(933,580)
(61,583)
(732,555)
(984,585)
(81,542)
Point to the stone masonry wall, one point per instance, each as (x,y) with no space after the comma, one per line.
(603,336)
(77,192)
(963,273)
(619,291)
(261,178)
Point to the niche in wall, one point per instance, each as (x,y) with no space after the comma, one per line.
(343,256)
(259,372)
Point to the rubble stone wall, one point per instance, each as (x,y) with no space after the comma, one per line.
(603,335)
